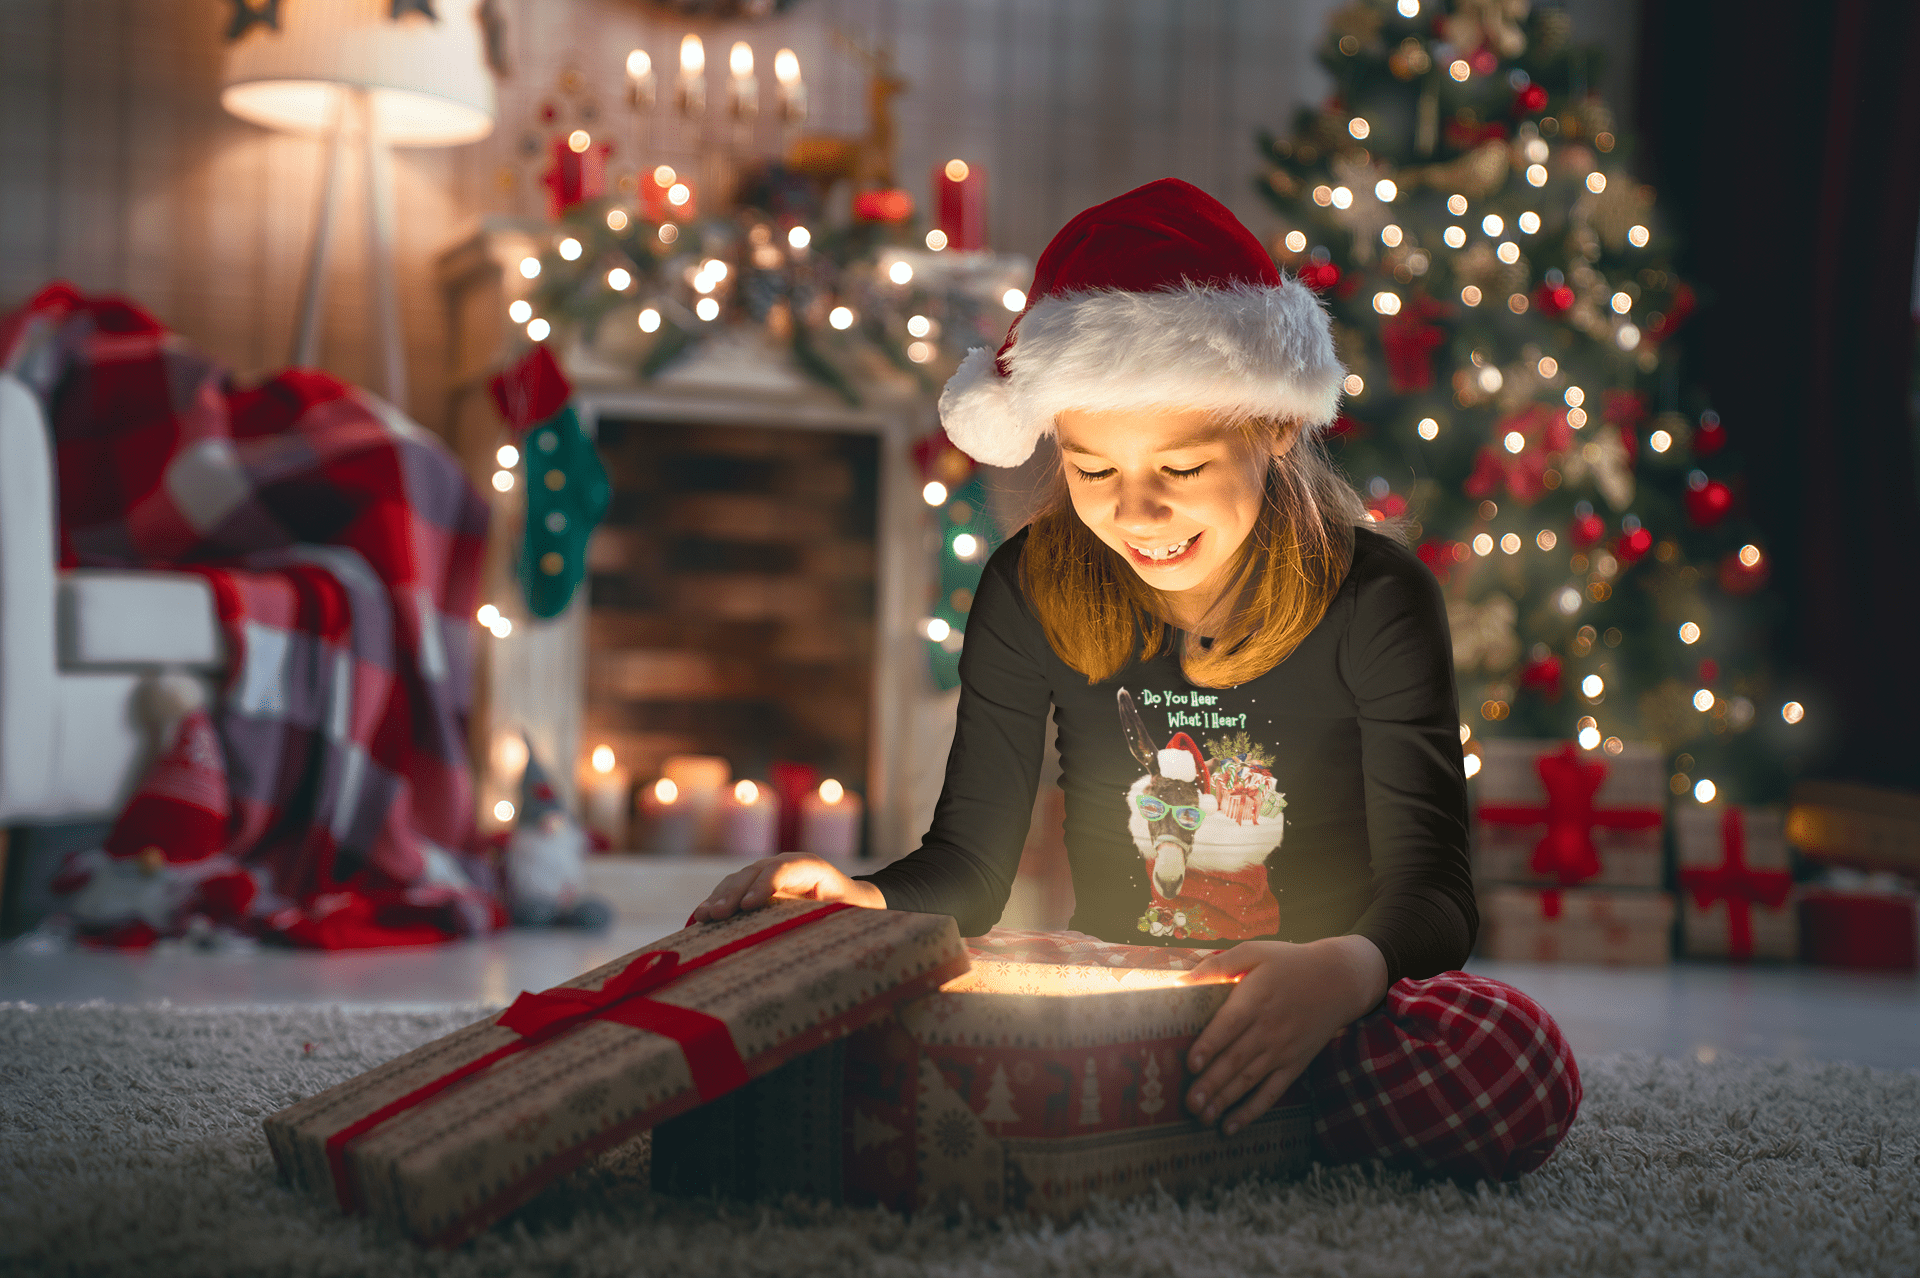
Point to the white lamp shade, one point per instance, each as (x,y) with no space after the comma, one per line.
(428,80)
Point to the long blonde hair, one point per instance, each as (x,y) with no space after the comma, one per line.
(1097,612)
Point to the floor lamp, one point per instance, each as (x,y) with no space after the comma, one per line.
(366,81)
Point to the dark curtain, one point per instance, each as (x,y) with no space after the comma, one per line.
(1785,137)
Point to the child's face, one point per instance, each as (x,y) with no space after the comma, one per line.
(1150,482)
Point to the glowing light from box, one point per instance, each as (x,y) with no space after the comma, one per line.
(799,237)
(935,493)
(1704,790)
(707,309)
(618,279)
(1793,712)
(840,317)
(529,267)
(935,629)
(901,272)
(649,320)
(832,791)
(579,140)
(936,239)
(503,811)
(602,759)
(746,793)
(570,249)
(1063,980)
(1428,428)
(665,791)
(520,310)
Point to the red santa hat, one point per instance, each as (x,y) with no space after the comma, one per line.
(1158,297)
(179,814)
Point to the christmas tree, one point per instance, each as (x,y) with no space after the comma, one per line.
(1502,296)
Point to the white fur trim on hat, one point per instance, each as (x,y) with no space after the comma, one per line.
(1244,350)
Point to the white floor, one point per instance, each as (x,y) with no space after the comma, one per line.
(1690,1009)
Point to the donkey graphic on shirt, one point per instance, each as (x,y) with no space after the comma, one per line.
(1205,818)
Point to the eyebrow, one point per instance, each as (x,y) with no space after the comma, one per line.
(1184,442)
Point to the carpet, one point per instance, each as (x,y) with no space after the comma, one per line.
(132,1144)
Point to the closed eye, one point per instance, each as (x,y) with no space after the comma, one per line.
(1094,476)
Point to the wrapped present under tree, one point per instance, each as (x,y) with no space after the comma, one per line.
(1549,812)
(1737,897)
(1576,925)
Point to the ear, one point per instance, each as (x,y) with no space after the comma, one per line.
(1286,435)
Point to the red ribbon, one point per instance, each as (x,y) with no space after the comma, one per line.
(1740,886)
(1566,852)
(712,1056)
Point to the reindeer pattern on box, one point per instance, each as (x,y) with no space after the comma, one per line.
(1206,820)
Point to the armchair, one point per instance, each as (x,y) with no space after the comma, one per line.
(79,648)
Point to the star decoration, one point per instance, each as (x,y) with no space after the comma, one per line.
(246,16)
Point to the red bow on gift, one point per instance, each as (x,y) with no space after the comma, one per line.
(1566,851)
(1740,886)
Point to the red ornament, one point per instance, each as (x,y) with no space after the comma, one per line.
(1709,505)
(1529,100)
(1709,438)
(1623,408)
(1709,670)
(891,205)
(1587,530)
(1319,276)
(1393,504)
(1632,547)
(1437,556)
(1738,578)
(1549,299)
(1483,61)
(1409,340)
(1543,674)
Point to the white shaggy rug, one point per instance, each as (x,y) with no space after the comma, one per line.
(131,1141)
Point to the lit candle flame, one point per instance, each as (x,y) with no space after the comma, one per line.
(746,793)
(665,790)
(603,758)
(832,791)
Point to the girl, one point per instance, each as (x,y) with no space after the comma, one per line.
(1254,696)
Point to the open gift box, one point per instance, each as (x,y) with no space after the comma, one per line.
(929,1091)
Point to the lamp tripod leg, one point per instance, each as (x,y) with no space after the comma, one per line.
(313,290)
(386,303)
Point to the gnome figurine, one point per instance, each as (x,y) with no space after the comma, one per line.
(547,861)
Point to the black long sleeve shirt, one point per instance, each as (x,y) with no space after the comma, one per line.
(1323,798)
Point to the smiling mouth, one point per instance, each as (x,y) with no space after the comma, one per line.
(1164,556)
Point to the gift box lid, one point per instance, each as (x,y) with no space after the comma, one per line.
(1509,772)
(455,1134)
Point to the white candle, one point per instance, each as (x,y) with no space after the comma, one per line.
(830,822)
(671,821)
(702,779)
(604,792)
(749,821)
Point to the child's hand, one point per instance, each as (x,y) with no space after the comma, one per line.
(791,874)
(1291,999)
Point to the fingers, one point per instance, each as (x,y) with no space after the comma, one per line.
(1262,1099)
(1223,965)
(731,893)
(1240,1069)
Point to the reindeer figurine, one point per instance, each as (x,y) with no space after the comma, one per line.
(1168,797)
(867,161)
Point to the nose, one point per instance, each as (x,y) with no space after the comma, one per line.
(1140,508)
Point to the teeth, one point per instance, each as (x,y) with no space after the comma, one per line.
(1165,552)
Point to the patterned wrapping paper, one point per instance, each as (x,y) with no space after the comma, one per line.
(460,1160)
(1576,925)
(1007,1102)
(1737,897)
(1625,834)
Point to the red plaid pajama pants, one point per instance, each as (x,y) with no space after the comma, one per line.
(1456,1075)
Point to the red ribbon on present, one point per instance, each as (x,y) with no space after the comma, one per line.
(1739,885)
(712,1056)
(1566,852)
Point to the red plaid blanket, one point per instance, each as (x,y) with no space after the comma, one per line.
(343,544)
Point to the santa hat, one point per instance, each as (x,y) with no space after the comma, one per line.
(1158,297)
(179,814)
